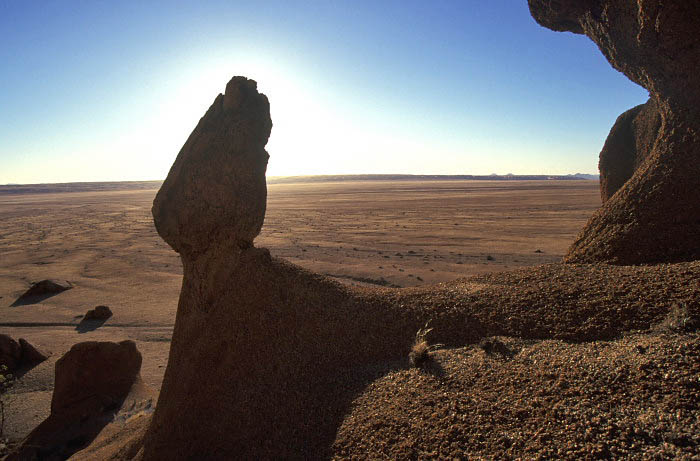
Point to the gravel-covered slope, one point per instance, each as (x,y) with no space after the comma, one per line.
(599,362)
(636,397)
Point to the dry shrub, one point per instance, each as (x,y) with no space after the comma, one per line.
(678,320)
(421,349)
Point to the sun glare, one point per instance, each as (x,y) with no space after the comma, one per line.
(309,133)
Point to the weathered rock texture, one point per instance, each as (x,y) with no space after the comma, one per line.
(629,143)
(92,381)
(655,215)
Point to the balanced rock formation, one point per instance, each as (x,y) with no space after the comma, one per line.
(191,210)
(260,346)
(92,381)
(655,216)
(629,143)
(17,355)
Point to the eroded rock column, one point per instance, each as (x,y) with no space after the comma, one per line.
(655,214)
(259,360)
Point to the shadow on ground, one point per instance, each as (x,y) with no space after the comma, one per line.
(89,325)
(29,300)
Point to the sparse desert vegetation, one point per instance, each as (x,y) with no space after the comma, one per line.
(422,349)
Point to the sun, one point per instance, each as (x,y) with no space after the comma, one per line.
(306,127)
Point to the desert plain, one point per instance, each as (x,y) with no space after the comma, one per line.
(101,238)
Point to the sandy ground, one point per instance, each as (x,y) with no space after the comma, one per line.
(416,233)
(393,233)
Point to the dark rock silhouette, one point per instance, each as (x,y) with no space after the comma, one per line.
(94,375)
(282,338)
(18,355)
(629,143)
(190,210)
(42,290)
(655,216)
(92,381)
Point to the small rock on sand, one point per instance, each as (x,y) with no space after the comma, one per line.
(98,313)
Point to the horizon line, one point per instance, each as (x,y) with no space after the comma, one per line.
(341,177)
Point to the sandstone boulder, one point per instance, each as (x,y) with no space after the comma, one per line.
(266,357)
(92,381)
(93,376)
(655,215)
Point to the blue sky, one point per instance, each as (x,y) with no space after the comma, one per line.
(97,91)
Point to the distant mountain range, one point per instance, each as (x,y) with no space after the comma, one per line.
(593,177)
